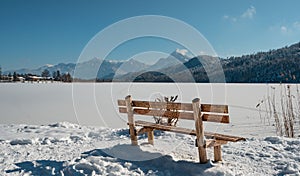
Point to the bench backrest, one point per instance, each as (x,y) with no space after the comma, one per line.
(209,112)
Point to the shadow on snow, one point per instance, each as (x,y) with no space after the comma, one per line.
(158,163)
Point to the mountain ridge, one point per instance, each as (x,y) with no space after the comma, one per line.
(273,66)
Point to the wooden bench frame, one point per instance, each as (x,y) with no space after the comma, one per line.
(189,111)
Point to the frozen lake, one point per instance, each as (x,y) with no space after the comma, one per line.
(96,104)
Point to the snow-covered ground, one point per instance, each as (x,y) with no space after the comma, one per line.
(35,140)
(70,149)
(96,104)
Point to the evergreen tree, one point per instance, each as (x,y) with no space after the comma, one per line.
(54,74)
(58,76)
(15,77)
(66,77)
(0,73)
(46,73)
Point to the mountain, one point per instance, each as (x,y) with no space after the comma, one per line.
(106,69)
(92,69)
(274,66)
(189,71)
(176,57)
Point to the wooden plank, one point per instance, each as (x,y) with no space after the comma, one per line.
(215,118)
(176,106)
(151,137)
(158,105)
(143,130)
(163,113)
(213,142)
(181,115)
(198,122)
(214,108)
(122,110)
(220,142)
(199,131)
(217,153)
(129,110)
(121,103)
(221,138)
(210,143)
(165,128)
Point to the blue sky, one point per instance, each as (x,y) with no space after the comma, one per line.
(34,32)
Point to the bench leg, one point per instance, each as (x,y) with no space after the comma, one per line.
(217,153)
(202,154)
(151,137)
(133,135)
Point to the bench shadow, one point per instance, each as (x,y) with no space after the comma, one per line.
(146,161)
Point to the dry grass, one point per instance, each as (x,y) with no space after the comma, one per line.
(163,120)
(284,111)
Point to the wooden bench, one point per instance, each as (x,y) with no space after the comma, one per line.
(186,111)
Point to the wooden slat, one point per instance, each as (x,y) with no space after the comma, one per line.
(214,108)
(165,128)
(215,118)
(220,142)
(181,115)
(213,142)
(223,137)
(177,106)
(181,130)
(169,114)
(121,103)
(122,110)
(159,105)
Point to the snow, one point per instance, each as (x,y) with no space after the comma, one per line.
(182,51)
(71,149)
(75,129)
(96,104)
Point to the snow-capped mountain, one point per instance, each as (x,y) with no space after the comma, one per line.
(103,69)
(176,57)
(108,69)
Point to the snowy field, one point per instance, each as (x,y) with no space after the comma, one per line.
(75,129)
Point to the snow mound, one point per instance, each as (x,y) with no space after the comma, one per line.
(65,125)
(99,163)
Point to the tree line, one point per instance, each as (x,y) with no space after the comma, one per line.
(45,76)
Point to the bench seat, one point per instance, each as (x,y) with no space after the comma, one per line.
(208,135)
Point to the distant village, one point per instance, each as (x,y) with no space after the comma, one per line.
(45,76)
